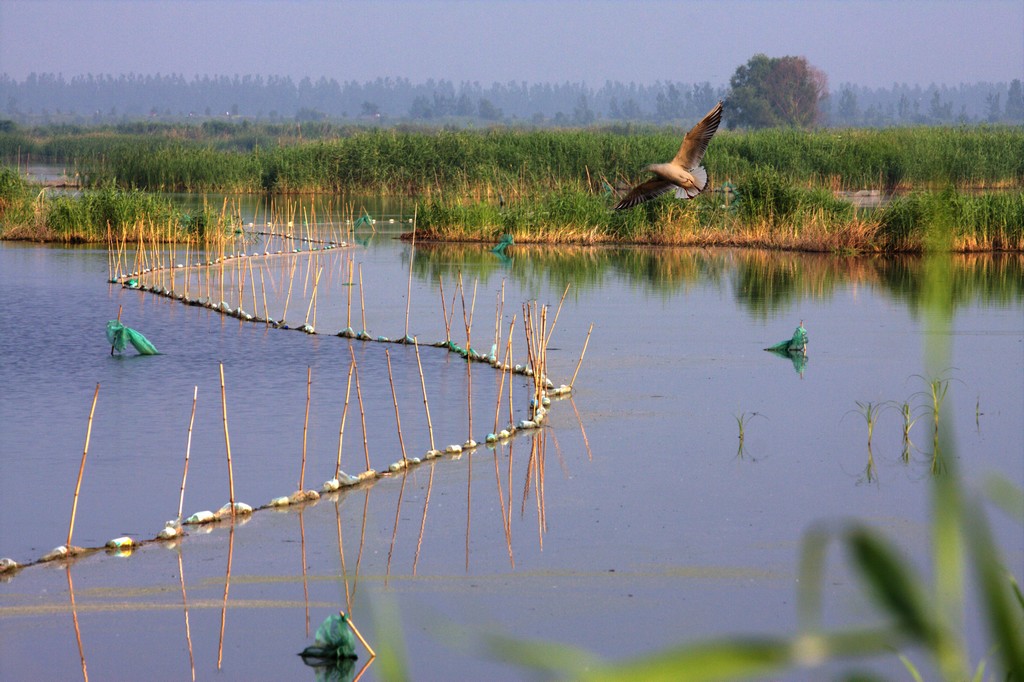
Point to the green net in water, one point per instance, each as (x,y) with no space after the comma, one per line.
(333,642)
(120,336)
(797,344)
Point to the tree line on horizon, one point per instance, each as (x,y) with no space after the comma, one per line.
(764,92)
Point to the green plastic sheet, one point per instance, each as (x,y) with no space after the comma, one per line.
(120,336)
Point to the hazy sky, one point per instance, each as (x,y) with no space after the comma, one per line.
(867,42)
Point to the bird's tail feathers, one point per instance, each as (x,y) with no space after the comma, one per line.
(701,176)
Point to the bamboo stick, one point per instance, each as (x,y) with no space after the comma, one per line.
(305,427)
(423,384)
(263,287)
(408,293)
(188,449)
(81,468)
(362,412)
(252,285)
(572,381)
(444,314)
(358,634)
(312,297)
(394,397)
(348,313)
(344,416)
(547,340)
(362,302)
(227,442)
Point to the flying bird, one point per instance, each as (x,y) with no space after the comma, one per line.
(683,172)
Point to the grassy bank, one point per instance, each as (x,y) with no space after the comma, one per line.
(512,161)
(765,212)
(32,213)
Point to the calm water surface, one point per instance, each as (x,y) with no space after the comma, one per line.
(631,522)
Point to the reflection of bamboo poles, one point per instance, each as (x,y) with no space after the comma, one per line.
(344,416)
(305,429)
(398,419)
(362,412)
(583,432)
(341,556)
(423,520)
(188,449)
(74,619)
(227,585)
(305,580)
(184,603)
(227,442)
(394,532)
(81,470)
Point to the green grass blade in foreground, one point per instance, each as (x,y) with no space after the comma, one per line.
(559,659)
(1006,496)
(724,660)
(892,582)
(1004,611)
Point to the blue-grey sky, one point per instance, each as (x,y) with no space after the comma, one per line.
(866,42)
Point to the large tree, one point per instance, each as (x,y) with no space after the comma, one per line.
(776,91)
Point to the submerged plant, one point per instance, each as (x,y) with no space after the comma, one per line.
(741,422)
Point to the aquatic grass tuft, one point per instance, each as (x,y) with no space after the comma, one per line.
(908,419)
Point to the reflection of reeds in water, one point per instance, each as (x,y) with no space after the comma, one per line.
(184,604)
(227,586)
(394,531)
(74,620)
(305,579)
(535,478)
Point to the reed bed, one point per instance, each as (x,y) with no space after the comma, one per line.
(764,212)
(513,161)
(33,214)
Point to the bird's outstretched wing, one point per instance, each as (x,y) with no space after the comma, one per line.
(691,151)
(645,191)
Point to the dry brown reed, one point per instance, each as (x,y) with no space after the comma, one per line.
(81,468)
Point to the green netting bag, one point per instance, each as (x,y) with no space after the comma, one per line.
(501,246)
(333,642)
(120,336)
(796,344)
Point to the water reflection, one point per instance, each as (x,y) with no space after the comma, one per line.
(762,281)
(74,619)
